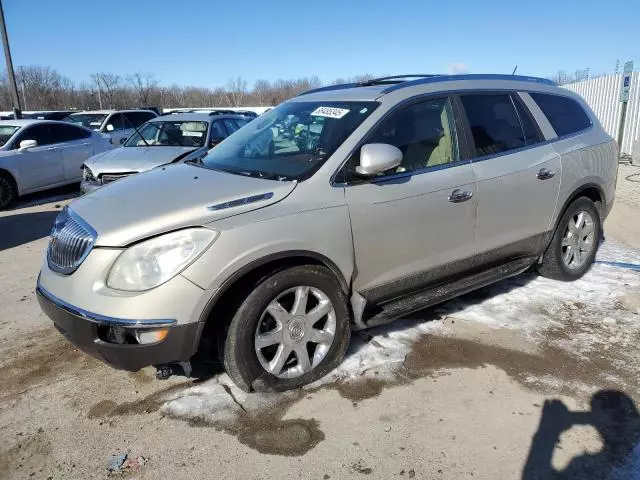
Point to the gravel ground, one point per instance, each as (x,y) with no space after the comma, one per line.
(480,387)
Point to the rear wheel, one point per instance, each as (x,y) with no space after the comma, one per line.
(8,191)
(292,329)
(575,242)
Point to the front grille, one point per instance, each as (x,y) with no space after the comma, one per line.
(71,241)
(108,178)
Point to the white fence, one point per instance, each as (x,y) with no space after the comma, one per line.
(603,96)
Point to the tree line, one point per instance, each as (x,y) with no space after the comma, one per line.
(44,88)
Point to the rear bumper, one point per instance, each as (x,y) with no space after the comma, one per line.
(81,328)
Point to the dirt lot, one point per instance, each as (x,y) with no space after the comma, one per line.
(518,380)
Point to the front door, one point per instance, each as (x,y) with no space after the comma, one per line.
(518,176)
(414,225)
(39,166)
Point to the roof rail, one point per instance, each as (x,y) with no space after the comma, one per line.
(467,76)
(394,79)
(339,86)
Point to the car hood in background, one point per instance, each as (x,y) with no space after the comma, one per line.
(134,159)
(170,198)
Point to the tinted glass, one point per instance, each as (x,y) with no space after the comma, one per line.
(67,133)
(136,119)
(241,122)
(218,130)
(118,122)
(40,133)
(231,125)
(531,133)
(565,115)
(494,123)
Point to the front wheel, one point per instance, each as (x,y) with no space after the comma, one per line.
(292,329)
(8,191)
(575,242)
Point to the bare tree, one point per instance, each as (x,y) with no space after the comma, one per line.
(144,86)
(109,85)
(236,90)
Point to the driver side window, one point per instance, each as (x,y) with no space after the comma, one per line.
(40,133)
(424,132)
(118,122)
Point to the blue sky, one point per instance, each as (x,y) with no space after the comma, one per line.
(193,42)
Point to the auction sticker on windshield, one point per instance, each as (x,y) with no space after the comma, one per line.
(330,112)
(187,133)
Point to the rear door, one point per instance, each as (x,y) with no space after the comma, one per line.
(42,165)
(414,225)
(518,175)
(74,144)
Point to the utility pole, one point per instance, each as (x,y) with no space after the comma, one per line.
(15,99)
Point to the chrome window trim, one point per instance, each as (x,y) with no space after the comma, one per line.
(101,319)
(441,93)
(77,263)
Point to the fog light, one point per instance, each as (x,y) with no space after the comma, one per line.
(116,335)
(151,336)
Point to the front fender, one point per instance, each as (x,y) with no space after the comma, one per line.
(321,234)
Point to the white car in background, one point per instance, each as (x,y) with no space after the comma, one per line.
(118,124)
(40,154)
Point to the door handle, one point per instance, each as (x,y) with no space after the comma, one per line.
(458,196)
(545,174)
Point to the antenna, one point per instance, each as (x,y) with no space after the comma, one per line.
(514,70)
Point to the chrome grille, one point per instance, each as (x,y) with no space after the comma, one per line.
(71,241)
(108,178)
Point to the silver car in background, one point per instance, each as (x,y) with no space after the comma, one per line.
(40,154)
(165,139)
(117,124)
(343,208)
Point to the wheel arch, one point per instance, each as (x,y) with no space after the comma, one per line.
(255,271)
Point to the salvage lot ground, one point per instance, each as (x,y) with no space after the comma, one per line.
(465,390)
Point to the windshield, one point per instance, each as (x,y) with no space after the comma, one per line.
(89,120)
(169,134)
(6,132)
(289,142)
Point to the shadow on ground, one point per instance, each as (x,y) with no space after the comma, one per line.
(16,230)
(614,416)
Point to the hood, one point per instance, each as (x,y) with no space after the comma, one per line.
(170,198)
(134,159)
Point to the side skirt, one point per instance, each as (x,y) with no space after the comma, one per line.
(416,301)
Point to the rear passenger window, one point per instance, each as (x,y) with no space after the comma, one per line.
(494,123)
(231,126)
(565,115)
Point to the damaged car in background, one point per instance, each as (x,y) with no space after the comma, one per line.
(163,140)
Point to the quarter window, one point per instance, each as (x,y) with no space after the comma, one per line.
(565,115)
(425,134)
(494,123)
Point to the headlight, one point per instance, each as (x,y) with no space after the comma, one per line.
(87,174)
(153,262)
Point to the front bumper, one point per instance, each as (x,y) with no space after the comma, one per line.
(81,328)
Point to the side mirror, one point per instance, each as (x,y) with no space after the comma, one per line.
(215,141)
(377,158)
(27,144)
(110,128)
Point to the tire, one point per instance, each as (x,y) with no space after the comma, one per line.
(8,191)
(245,363)
(554,264)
